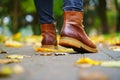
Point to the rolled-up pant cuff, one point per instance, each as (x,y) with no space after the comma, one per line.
(72,9)
(73,5)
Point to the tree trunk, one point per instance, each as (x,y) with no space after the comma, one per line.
(118,17)
(15,15)
(36,29)
(103,17)
(118,23)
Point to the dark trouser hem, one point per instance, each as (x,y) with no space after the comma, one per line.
(72,9)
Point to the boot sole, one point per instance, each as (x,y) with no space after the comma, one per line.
(76,45)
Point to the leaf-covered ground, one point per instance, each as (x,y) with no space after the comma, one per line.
(22,58)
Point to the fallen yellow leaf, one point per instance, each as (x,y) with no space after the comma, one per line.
(13,44)
(115,48)
(66,50)
(45,50)
(6,61)
(111,64)
(14,56)
(53,50)
(87,61)
(5,71)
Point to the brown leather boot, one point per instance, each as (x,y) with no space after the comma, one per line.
(73,34)
(49,36)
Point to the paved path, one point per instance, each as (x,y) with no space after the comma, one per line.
(59,67)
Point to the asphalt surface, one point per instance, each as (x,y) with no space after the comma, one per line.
(59,67)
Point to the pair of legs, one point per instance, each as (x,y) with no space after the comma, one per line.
(72,33)
(45,9)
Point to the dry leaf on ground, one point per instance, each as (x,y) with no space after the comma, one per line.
(7,61)
(45,50)
(14,56)
(87,61)
(60,54)
(2,52)
(53,50)
(5,71)
(115,48)
(111,64)
(46,54)
(13,44)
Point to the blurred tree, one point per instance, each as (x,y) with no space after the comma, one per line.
(117,4)
(5,11)
(90,15)
(3,8)
(15,15)
(17,9)
(103,16)
(27,6)
(30,9)
(58,14)
(95,14)
(11,10)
